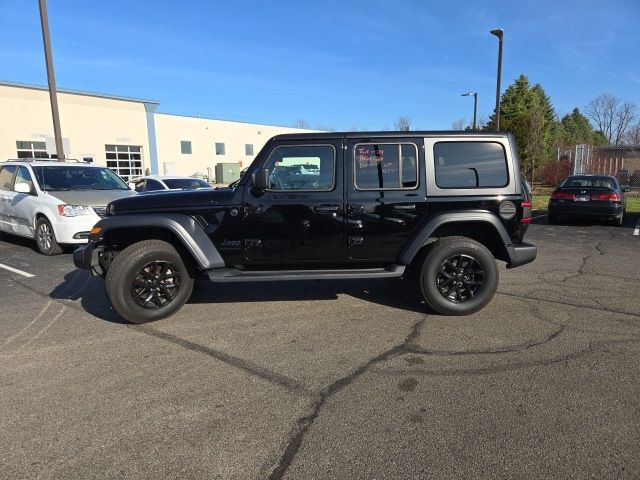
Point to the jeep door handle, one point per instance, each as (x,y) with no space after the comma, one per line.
(356,209)
(326,208)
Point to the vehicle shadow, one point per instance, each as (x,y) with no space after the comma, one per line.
(87,289)
(80,286)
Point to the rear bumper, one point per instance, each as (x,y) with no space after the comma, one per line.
(586,209)
(86,257)
(521,254)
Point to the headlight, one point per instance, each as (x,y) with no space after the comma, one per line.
(73,210)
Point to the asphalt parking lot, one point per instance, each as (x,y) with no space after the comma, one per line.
(329,379)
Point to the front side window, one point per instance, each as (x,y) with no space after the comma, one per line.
(125,160)
(23,176)
(153,186)
(308,167)
(470,165)
(386,166)
(56,178)
(6,177)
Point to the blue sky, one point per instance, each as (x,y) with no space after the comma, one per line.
(337,64)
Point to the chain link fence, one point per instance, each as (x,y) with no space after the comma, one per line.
(621,162)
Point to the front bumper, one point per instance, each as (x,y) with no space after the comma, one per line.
(521,254)
(74,230)
(87,256)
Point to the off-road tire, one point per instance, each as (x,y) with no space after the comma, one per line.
(46,238)
(432,264)
(125,269)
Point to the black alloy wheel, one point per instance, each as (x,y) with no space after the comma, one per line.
(156,285)
(149,280)
(459,278)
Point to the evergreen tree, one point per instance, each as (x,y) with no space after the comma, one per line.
(526,111)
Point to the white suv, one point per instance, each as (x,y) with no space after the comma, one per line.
(56,203)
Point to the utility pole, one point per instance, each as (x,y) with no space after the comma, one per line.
(498,32)
(52,79)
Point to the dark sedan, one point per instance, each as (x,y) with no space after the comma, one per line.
(589,196)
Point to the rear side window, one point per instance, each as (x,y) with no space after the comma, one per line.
(470,165)
(386,166)
(6,177)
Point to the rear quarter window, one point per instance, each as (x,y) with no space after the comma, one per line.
(470,165)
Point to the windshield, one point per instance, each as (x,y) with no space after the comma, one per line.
(589,182)
(71,177)
(186,183)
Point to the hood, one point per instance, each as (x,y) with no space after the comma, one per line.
(91,198)
(171,200)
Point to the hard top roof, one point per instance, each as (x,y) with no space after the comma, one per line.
(390,134)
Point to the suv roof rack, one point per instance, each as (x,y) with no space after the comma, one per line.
(41,160)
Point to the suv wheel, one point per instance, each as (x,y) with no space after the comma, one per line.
(459,276)
(148,281)
(46,238)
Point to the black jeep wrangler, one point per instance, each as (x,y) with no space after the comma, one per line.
(440,205)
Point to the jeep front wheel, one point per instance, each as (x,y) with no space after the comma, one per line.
(458,276)
(148,281)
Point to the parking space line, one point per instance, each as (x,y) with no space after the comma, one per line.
(15,270)
(637,230)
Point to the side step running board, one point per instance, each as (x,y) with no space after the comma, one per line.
(224,275)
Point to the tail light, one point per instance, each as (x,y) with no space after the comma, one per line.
(560,195)
(607,197)
(526,212)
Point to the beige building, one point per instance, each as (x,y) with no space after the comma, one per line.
(124,134)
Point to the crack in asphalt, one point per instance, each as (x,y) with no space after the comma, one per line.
(591,348)
(303,424)
(240,363)
(488,351)
(587,307)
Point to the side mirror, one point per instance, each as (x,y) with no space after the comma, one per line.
(132,185)
(260,179)
(22,188)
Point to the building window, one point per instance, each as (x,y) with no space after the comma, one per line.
(32,149)
(219,148)
(248,149)
(185,147)
(125,160)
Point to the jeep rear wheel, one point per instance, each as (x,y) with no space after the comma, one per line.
(458,276)
(148,281)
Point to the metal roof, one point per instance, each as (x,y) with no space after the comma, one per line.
(78,92)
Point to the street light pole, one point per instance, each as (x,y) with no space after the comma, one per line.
(498,32)
(52,80)
(475,106)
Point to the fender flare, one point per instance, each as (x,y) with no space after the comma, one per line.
(423,235)
(188,232)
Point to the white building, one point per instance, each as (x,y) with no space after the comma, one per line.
(125,134)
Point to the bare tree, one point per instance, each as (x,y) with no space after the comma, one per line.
(632,137)
(301,124)
(459,124)
(325,128)
(402,124)
(612,116)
